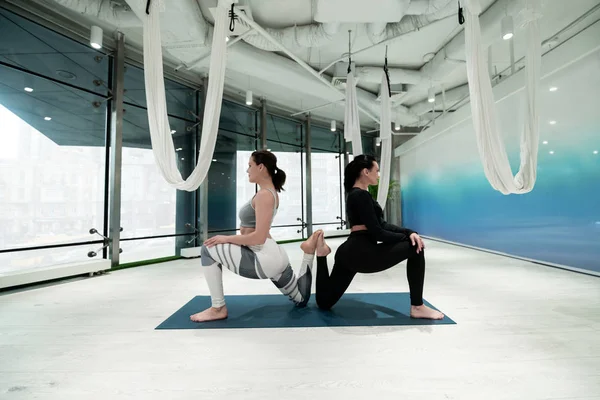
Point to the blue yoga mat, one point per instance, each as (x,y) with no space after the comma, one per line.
(277,311)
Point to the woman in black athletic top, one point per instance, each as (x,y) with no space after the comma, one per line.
(372,246)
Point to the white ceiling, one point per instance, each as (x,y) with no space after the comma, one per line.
(286,85)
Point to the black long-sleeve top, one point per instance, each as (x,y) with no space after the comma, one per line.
(362,209)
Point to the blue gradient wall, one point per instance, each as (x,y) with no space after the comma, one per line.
(445,193)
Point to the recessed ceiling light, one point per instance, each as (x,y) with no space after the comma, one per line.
(545,142)
(65,74)
(214,160)
(182,159)
(553,89)
(178,149)
(552,122)
(28,89)
(47,118)
(595,151)
(551,152)
(173,132)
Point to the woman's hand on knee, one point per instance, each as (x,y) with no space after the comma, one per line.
(416,240)
(215,240)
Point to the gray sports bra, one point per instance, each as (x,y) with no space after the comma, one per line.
(247,213)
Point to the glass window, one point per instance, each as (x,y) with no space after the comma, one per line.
(149,249)
(32,47)
(326,178)
(52,163)
(32,260)
(322,139)
(237,118)
(149,205)
(228,182)
(148,202)
(181,100)
(292,198)
(284,130)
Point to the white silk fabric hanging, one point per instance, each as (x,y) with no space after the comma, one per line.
(489,138)
(160,131)
(351,117)
(385,134)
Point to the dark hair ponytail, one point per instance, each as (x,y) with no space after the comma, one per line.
(354,168)
(269,160)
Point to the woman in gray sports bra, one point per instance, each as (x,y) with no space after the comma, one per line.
(254,254)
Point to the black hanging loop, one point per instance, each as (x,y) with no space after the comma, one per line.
(461,17)
(148,7)
(387,73)
(233,18)
(349,52)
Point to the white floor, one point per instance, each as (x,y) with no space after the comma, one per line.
(524,331)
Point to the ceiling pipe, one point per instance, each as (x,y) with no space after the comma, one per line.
(400,33)
(339,94)
(246,59)
(444,62)
(199,61)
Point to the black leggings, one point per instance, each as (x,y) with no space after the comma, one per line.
(360,254)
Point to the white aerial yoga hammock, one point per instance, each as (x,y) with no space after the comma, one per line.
(351,118)
(160,131)
(385,135)
(489,140)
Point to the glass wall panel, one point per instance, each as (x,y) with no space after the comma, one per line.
(52,167)
(284,130)
(292,199)
(181,100)
(29,46)
(326,179)
(238,119)
(149,249)
(149,205)
(228,182)
(32,260)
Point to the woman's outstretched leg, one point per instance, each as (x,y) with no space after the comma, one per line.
(330,288)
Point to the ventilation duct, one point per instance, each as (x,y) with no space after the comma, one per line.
(314,35)
(419,15)
(379,15)
(109,11)
(184,30)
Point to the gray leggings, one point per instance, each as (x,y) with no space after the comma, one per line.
(268,261)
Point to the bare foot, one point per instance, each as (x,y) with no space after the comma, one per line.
(309,246)
(210,314)
(425,312)
(322,249)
